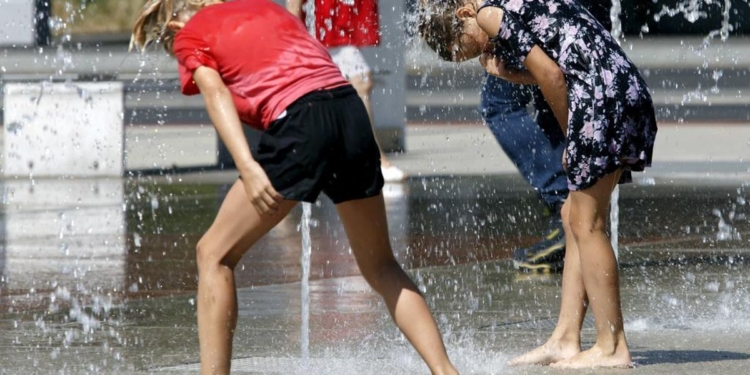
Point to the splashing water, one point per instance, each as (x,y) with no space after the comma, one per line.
(614,204)
(305,262)
(614,15)
(693,10)
(728,227)
(614,219)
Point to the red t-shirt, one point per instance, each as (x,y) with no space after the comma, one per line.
(264,55)
(346,22)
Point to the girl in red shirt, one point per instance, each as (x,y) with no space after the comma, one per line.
(255,63)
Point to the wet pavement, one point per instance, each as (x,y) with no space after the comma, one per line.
(98,276)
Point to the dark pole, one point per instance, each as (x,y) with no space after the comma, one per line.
(41,22)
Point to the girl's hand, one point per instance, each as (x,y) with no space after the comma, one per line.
(494,65)
(223,113)
(259,190)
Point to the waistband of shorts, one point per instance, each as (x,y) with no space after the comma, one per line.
(324,94)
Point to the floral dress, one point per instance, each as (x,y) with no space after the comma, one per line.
(611,122)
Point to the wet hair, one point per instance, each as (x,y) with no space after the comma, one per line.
(439,26)
(151,25)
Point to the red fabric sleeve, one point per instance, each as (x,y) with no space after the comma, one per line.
(191,52)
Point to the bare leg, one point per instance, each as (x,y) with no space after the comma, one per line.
(588,219)
(367,229)
(363,85)
(565,341)
(236,228)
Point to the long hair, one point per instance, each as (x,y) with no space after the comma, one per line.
(440,27)
(151,25)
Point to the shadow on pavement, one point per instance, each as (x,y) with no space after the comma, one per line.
(655,357)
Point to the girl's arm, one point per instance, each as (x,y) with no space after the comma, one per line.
(551,81)
(489,20)
(496,66)
(295,7)
(223,114)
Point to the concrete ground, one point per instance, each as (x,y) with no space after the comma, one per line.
(98,277)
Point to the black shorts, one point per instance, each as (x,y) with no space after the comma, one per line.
(324,143)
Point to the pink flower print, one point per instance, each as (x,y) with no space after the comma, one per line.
(540,24)
(505,31)
(587,17)
(614,148)
(578,179)
(619,62)
(572,150)
(630,128)
(570,30)
(578,90)
(514,5)
(633,92)
(590,113)
(610,92)
(572,107)
(609,79)
(587,131)
(552,8)
(585,169)
(599,135)
(564,53)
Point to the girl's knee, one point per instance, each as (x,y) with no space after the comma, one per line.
(583,222)
(202,255)
(378,274)
(583,227)
(565,216)
(209,256)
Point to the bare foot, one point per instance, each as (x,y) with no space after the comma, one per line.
(546,354)
(596,358)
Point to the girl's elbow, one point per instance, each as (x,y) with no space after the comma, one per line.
(556,78)
(215,91)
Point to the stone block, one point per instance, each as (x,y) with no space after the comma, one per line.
(64,129)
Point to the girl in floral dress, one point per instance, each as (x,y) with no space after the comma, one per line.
(603,106)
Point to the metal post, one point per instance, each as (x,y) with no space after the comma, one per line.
(41,22)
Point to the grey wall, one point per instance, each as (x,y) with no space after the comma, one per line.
(387,62)
(17,23)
